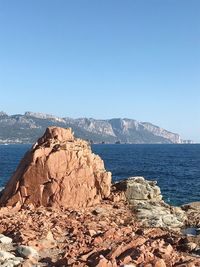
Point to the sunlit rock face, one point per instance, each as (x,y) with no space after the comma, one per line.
(60,170)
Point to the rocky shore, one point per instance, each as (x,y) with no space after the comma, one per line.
(60,209)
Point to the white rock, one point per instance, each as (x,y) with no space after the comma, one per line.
(6,256)
(137,188)
(8,264)
(5,240)
(191,246)
(92,232)
(128,265)
(16,261)
(171,220)
(26,251)
(49,236)
(146,200)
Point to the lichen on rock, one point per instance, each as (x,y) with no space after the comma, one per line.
(145,200)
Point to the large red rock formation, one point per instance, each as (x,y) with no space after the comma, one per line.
(60,170)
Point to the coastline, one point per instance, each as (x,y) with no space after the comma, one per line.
(176,168)
(60,208)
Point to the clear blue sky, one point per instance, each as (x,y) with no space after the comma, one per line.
(103,58)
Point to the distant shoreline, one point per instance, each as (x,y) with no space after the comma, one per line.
(6,144)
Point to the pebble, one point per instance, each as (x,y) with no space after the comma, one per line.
(12,262)
(92,232)
(6,256)
(8,264)
(5,240)
(7,259)
(26,252)
(99,210)
(17,260)
(191,246)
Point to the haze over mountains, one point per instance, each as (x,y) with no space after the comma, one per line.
(26,129)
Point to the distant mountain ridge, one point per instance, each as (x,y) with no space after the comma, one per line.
(26,129)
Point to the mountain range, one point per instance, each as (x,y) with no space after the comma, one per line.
(28,127)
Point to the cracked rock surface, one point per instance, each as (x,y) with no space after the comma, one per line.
(146,200)
(57,210)
(107,235)
(59,170)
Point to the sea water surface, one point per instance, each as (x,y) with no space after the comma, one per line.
(175,167)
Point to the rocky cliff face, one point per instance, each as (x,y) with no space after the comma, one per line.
(60,170)
(25,129)
(175,138)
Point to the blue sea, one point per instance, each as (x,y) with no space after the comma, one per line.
(175,167)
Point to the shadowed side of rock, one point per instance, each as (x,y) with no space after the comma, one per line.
(60,170)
